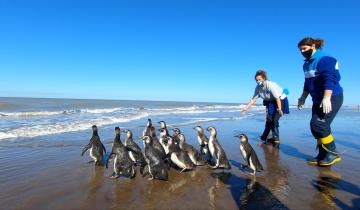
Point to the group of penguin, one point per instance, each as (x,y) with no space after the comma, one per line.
(160,154)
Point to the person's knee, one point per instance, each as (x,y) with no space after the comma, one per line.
(318,127)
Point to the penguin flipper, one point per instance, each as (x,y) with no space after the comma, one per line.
(85,148)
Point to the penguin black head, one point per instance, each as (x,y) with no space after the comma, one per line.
(128,132)
(199,129)
(212,130)
(176,131)
(163,131)
(162,124)
(242,137)
(169,140)
(181,137)
(117,130)
(149,123)
(94,128)
(146,139)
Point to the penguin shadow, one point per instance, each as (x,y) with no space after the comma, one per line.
(248,193)
(242,167)
(328,182)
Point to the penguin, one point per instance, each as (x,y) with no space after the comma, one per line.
(175,135)
(163,138)
(162,124)
(97,149)
(216,151)
(149,130)
(249,154)
(203,141)
(194,155)
(134,150)
(179,157)
(122,162)
(156,165)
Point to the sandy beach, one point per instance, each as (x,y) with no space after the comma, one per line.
(54,176)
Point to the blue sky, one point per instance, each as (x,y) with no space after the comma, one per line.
(169,50)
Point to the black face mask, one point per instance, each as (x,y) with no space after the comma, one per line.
(307,54)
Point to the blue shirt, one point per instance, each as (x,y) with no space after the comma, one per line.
(321,73)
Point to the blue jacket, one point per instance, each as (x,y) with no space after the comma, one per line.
(321,73)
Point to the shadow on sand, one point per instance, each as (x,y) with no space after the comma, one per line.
(248,193)
(329,181)
(292,151)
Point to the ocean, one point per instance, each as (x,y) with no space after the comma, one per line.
(22,118)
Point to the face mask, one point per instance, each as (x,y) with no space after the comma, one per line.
(307,54)
(260,83)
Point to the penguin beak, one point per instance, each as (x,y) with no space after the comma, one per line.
(237,136)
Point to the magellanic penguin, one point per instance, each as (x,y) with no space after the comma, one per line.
(97,149)
(162,124)
(216,151)
(135,152)
(123,165)
(163,138)
(203,141)
(249,154)
(156,165)
(194,155)
(149,130)
(179,157)
(176,134)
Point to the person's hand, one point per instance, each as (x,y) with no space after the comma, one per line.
(243,110)
(326,104)
(280,112)
(301,102)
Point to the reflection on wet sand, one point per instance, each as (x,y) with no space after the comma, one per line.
(329,183)
(276,174)
(248,193)
(326,183)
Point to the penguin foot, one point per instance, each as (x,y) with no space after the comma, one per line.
(91,161)
(115,176)
(214,167)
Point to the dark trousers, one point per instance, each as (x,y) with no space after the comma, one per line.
(320,122)
(272,124)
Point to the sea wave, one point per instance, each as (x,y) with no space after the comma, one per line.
(101,117)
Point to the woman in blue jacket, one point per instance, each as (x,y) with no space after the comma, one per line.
(322,78)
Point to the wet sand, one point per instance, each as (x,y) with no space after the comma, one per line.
(58,178)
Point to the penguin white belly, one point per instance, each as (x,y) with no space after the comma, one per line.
(252,166)
(243,152)
(176,160)
(211,148)
(131,154)
(166,150)
(193,159)
(115,161)
(92,155)
(199,140)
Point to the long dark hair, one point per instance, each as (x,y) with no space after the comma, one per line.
(319,43)
(261,73)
